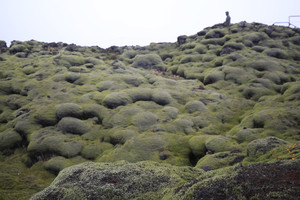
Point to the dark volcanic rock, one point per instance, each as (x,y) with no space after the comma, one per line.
(3,46)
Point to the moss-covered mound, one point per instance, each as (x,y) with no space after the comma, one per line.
(221,97)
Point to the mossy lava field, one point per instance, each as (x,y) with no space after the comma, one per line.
(215,115)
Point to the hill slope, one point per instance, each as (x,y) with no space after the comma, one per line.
(227,96)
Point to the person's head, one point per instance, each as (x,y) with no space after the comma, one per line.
(227,13)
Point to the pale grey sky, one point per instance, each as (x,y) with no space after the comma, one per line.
(130,22)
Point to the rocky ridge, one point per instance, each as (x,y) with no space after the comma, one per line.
(214,110)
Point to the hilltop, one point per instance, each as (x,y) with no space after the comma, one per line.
(214,115)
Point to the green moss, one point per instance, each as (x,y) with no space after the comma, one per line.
(292,93)
(58,163)
(187,46)
(220,144)
(255,37)
(116,99)
(161,97)
(121,136)
(189,58)
(208,58)
(219,160)
(70,60)
(70,148)
(258,49)
(241,89)
(93,150)
(114,181)
(197,145)
(45,140)
(195,106)
(121,118)
(130,54)
(213,76)
(215,33)
(256,91)
(234,46)
(17,181)
(160,147)
(15,101)
(168,113)
(69,110)
(9,139)
(182,126)
(281,152)
(46,115)
(29,70)
(246,135)
(214,41)
(201,49)
(95,110)
(265,65)
(16,48)
(144,120)
(236,75)
(277,53)
(259,147)
(149,61)
(140,94)
(26,126)
(105,85)
(72,77)
(73,126)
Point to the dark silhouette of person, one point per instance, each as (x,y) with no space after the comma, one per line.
(227,21)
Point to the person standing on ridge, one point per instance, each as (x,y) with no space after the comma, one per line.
(228,18)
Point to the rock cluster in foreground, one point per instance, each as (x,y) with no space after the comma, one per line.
(149,180)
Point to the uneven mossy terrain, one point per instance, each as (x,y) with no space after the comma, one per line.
(223,98)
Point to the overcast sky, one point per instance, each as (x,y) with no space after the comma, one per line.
(130,22)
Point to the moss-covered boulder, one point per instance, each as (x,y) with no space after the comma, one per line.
(116,99)
(70,60)
(121,180)
(47,115)
(69,110)
(48,142)
(94,110)
(195,106)
(140,94)
(73,125)
(149,61)
(219,160)
(121,136)
(214,76)
(144,120)
(220,144)
(161,97)
(246,135)
(259,147)
(168,113)
(244,182)
(58,163)
(148,180)
(93,150)
(160,147)
(9,139)
(197,145)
